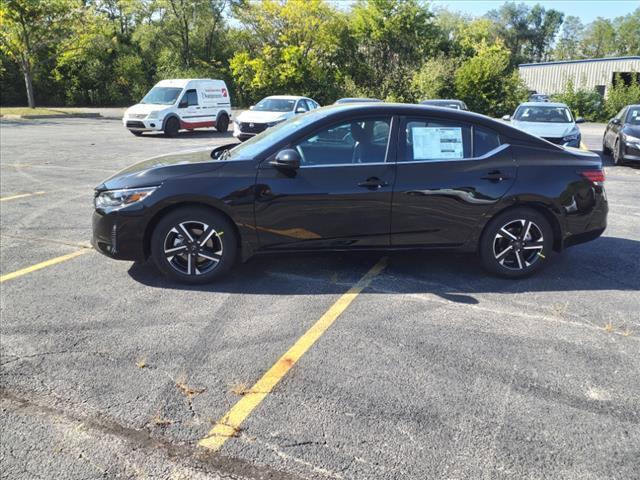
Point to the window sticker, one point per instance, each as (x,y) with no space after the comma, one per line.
(436,143)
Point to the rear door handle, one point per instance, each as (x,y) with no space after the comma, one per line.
(496,176)
(373,183)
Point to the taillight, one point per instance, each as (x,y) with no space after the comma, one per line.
(595,176)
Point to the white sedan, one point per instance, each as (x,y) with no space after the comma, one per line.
(269,112)
(551,121)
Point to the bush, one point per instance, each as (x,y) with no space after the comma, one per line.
(618,96)
(583,103)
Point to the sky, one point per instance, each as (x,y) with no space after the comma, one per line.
(586,10)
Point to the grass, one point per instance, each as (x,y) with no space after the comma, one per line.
(37,111)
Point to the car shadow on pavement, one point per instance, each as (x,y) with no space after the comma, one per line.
(608,263)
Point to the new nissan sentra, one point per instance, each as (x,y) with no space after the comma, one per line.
(551,121)
(356,177)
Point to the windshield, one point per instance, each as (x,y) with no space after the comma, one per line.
(254,146)
(162,96)
(274,105)
(543,114)
(634,116)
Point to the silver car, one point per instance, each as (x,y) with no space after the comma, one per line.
(551,121)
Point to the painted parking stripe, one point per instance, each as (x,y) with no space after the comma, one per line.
(229,425)
(21,195)
(41,265)
(583,146)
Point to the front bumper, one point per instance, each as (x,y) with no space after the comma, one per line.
(118,235)
(632,151)
(142,125)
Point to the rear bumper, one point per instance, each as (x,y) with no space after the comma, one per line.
(593,225)
(118,236)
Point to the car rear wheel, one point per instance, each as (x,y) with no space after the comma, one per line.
(194,245)
(516,243)
(171,127)
(605,150)
(222,125)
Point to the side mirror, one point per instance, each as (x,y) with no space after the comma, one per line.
(183,103)
(252,107)
(506,118)
(288,159)
(300,110)
(615,121)
(579,120)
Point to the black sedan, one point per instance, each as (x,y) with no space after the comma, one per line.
(622,136)
(356,177)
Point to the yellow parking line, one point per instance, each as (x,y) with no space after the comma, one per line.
(229,425)
(583,146)
(21,195)
(39,266)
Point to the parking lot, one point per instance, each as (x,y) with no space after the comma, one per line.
(433,370)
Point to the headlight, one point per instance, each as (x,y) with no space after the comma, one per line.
(121,198)
(631,139)
(571,137)
(154,114)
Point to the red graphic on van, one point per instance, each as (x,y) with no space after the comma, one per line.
(224,92)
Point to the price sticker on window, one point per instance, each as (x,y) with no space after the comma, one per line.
(437,143)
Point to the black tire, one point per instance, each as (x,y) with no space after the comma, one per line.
(618,153)
(505,251)
(222,125)
(605,150)
(180,256)
(136,133)
(171,127)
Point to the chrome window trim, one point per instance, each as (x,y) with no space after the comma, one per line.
(483,157)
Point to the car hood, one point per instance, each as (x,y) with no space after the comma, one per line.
(633,130)
(144,108)
(544,129)
(262,117)
(156,170)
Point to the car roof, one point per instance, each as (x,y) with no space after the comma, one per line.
(441,100)
(286,97)
(545,104)
(409,109)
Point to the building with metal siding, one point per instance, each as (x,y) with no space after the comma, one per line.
(597,73)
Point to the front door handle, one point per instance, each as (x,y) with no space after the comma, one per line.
(373,183)
(496,176)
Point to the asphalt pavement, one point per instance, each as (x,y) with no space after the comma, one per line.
(433,370)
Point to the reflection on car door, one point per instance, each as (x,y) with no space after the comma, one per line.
(339,197)
(449,175)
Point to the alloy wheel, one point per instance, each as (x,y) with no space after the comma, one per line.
(518,244)
(193,248)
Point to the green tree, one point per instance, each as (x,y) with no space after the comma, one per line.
(628,33)
(599,39)
(568,45)
(527,31)
(288,46)
(618,96)
(486,82)
(582,102)
(435,79)
(393,37)
(31,28)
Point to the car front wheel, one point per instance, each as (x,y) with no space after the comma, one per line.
(194,245)
(516,243)
(618,154)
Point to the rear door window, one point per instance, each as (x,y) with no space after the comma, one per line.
(484,140)
(429,140)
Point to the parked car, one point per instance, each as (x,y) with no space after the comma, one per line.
(172,105)
(551,121)
(539,97)
(457,104)
(406,177)
(268,112)
(357,100)
(622,136)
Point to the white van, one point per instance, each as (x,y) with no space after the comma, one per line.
(172,105)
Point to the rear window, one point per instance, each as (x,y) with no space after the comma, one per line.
(484,140)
